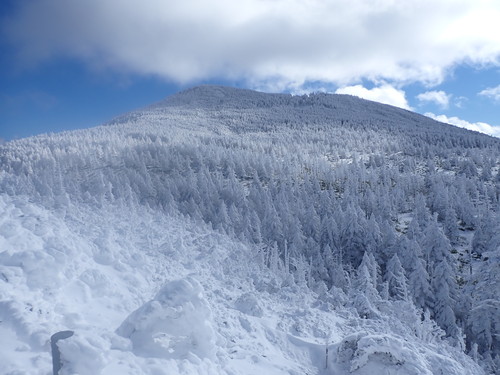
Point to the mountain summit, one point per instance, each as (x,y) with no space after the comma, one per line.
(328,106)
(226,231)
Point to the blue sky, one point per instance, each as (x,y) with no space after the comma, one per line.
(75,64)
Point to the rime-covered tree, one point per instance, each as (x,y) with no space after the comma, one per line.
(484,318)
(396,279)
(419,286)
(364,295)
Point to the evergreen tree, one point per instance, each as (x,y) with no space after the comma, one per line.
(420,212)
(396,279)
(442,283)
(364,295)
(352,236)
(484,318)
(484,233)
(372,267)
(419,286)
(450,226)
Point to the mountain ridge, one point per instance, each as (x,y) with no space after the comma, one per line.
(334,107)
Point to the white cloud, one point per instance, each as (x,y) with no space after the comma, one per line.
(386,94)
(476,126)
(460,101)
(440,98)
(492,92)
(286,41)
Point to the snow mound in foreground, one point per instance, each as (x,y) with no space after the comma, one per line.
(175,324)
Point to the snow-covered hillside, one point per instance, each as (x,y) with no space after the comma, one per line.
(225,231)
(147,294)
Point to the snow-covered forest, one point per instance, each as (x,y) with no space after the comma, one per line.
(309,234)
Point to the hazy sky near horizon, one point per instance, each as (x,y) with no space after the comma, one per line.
(74,64)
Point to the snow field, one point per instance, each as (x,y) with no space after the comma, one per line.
(146,295)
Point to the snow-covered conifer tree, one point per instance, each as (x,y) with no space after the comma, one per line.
(396,279)
(419,285)
(364,294)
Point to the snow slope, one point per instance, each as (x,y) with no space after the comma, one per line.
(159,295)
(151,294)
(88,244)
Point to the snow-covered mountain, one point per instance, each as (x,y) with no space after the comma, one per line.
(226,231)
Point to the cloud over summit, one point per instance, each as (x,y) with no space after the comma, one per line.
(288,42)
(384,94)
(476,126)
